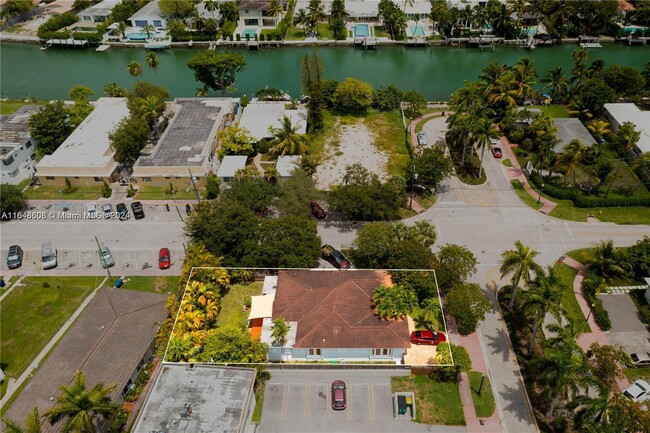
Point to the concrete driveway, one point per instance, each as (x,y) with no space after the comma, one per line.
(628,331)
(300,401)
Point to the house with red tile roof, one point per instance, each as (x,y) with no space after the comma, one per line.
(332,318)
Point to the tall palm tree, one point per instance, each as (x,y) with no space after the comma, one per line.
(422,321)
(482,131)
(599,128)
(279,331)
(431,309)
(543,296)
(557,82)
(610,410)
(338,11)
(197,20)
(491,73)
(152,108)
(316,13)
(122,26)
(301,17)
(287,141)
(460,126)
(565,336)
(211,6)
(80,406)
(606,261)
(148,29)
(521,262)
(153,62)
(32,424)
(274,10)
(573,154)
(135,69)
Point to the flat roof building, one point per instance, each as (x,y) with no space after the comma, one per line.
(86,156)
(287,164)
(258,117)
(188,142)
(569,129)
(230,165)
(618,114)
(16,145)
(198,399)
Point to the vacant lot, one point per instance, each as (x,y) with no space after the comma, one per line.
(436,402)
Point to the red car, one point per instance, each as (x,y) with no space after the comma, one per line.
(338,395)
(496,152)
(164,258)
(317,210)
(431,338)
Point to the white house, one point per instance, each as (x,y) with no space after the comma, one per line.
(618,114)
(258,117)
(99,12)
(252,13)
(17,145)
(149,15)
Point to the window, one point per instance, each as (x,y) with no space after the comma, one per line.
(141,23)
(314,352)
(382,352)
(157,23)
(8,161)
(76,177)
(98,179)
(50,177)
(28,144)
(146,179)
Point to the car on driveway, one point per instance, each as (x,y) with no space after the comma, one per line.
(164,258)
(138,210)
(14,257)
(640,359)
(639,391)
(423,140)
(122,211)
(335,257)
(338,395)
(496,152)
(106,257)
(317,210)
(431,338)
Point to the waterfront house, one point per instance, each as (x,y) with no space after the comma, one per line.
(331,317)
(569,129)
(149,15)
(628,112)
(98,13)
(187,145)
(86,156)
(252,13)
(17,145)
(258,117)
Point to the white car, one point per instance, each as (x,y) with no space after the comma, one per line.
(422,138)
(639,391)
(91,209)
(107,258)
(640,359)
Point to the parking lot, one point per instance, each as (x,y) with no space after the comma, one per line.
(66,212)
(300,401)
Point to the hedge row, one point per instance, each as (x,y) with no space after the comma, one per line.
(56,23)
(80,36)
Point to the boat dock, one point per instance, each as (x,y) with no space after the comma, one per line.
(589,42)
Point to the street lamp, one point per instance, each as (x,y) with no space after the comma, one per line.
(540,194)
(413,179)
(590,310)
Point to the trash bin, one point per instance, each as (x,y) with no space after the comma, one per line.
(119,283)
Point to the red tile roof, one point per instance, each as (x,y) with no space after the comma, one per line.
(334,310)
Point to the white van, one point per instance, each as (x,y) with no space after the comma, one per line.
(48,255)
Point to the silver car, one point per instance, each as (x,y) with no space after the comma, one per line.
(640,359)
(106,258)
(639,391)
(422,138)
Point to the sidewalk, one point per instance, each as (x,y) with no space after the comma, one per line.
(515,172)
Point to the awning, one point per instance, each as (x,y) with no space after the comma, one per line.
(261,306)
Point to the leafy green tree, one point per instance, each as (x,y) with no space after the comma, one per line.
(468,305)
(212,187)
(144,90)
(606,261)
(123,10)
(608,412)
(453,265)
(608,362)
(393,302)
(625,80)
(178,9)
(32,424)
(393,17)
(638,258)
(337,26)
(14,8)
(520,262)
(415,104)
(128,139)
(176,29)
(115,91)
(217,70)
(50,126)
(279,331)
(230,343)
(252,192)
(229,12)
(12,200)
(181,348)
(287,140)
(353,96)
(431,165)
(80,93)
(387,99)
(80,406)
(235,141)
(270,94)
(295,193)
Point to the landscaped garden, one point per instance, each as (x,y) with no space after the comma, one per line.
(482,396)
(233,302)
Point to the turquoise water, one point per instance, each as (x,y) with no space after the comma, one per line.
(416,31)
(435,72)
(361,30)
(137,36)
(634,29)
(531,30)
(250,32)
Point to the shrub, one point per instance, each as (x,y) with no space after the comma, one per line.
(106,190)
(446,374)
(56,23)
(262,146)
(119,421)
(46,285)
(601,316)
(171,190)
(131,191)
(68,187)
(238,36)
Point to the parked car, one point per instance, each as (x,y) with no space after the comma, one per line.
(108,210)
(496,152)
(138,210)
(14,257)
(335,257)
(639,391)
(640,359)
(431,338)
(122,211)
(423,140)
(338,395)
(317,210)
(164,258)
(49,255)
(106,257)
(91,209)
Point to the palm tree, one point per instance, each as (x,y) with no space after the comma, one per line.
(565,336)
(122,26)
(431,310)
(135,69)
(338,11)
(460,126)
(202,92)
(301,17)
(557,82)
(571,157)
(521,262)
(80,406)
(628,135)
(612,411)
(491,73)
(153,62)
(279,331)
(543,296)
(641,167)
(287,141)
(148,29)
(599,128)
(421,321)
(211,6)
(275,8)
(606,261)
(393,302)
(152,108)
(32,424)
(316,13)
(483,130)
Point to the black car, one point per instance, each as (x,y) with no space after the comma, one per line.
(122,211)
(14,257)
(138,210)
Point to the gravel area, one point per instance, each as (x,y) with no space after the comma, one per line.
(354,144)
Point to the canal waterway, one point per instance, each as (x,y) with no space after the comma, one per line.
(28,71)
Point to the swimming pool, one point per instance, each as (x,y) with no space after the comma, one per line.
(250,32)
(634,29)
(137,36)
(532,30)
(416,30)
(361,30)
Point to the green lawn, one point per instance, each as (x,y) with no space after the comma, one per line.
(484,404)
(32,314)
(153,284)
(569,301)
(324,31)
(436,402)
(637,373)
(506,162)
(12,105)
(524,196)
(56,193)
(553,110)
(158,193)
(380,33)
(259,403)
(232,302)
(582,255)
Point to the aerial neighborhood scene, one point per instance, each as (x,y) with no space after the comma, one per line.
(309,216)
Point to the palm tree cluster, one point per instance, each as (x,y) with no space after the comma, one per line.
(393,302)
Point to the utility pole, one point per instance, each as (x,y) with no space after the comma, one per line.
(196,191)
(101,258)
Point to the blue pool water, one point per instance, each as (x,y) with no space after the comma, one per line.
(137,36)
(634,29)
(361,30)
(416,31)
(250,32)
(531,30)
